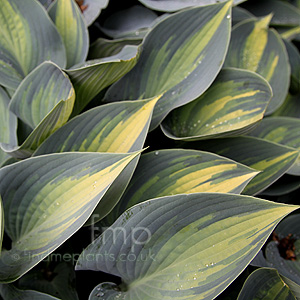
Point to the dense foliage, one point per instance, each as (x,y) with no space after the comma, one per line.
(140,140)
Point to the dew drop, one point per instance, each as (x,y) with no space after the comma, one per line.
(156,152)
(206,125)
(173,93)
(57,203)
(100,294)
(228,17)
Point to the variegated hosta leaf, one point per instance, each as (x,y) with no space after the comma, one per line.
(39,92)
(62,282)
(281,130)
(233,104)
(174,5)
(294,58)
(103,48)
(178,171)
(93,9)
(284,14)
(93,76)
(290,107)
(46,199)
(27,38)
(176,53)
(265,284)
(255,47)
(9,292)
(116,128)
(8,124)
(271,159)
(44,101)
(129,22)
(1,223)
(69,22)
(188,246)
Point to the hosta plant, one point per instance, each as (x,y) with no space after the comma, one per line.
(149,149)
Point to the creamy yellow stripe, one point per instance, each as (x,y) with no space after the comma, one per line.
(195,182)
(272,68)
(200,257)
(124,135)
(216,108)
(262,165)
(194,46)
(256,44)
(71,195)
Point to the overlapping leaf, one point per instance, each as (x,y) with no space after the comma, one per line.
(176,53)
(27,38)
(8,124)
(93,76)
(286,184)
(129,22)
(256,48)
(47,199)
(44,101)
(45,3)
(174,5)
(116,128)
(290,107)
(284,14)
(281,130)
(240,14)
(70,24)
(193,246)
(92,9)
(177,171)
(103,48)
(271,159)
(9,292)
(232,105)
(265,284)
